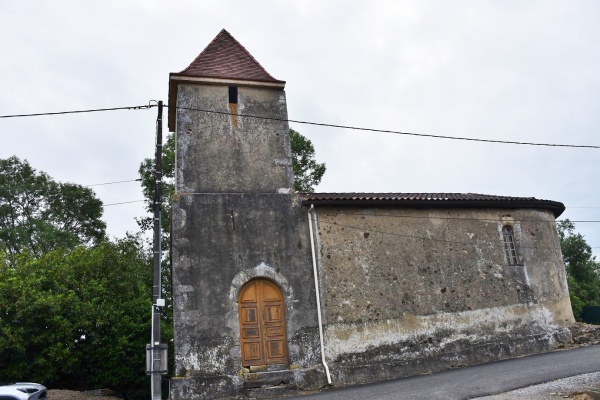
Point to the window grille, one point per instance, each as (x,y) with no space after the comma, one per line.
(510,247)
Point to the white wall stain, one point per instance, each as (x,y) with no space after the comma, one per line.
(348,338)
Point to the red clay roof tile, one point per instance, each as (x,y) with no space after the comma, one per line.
(226,58)
(430,200)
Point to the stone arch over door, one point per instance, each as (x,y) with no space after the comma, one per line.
(261,310)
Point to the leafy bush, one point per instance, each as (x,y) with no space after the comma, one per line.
(77,319)
(582,269)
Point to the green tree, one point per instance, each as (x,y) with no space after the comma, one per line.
(38,214)
(146,224)
(307,171)
(146,172)
(77,319)
(582,268)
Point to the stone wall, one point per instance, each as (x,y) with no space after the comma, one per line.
(221,153)
(404,291)
(234,218)
(222,241)
(405,286)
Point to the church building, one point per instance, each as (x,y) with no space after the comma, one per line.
(276,291)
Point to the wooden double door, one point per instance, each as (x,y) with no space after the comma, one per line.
(262,324)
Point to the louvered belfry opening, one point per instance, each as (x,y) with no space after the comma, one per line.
(509,245)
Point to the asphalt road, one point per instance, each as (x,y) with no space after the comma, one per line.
(476,381)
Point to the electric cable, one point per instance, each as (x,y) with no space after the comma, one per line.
(148,106)
(386,130)
(112,183)
(453,218)
(123,202)
(424,238)
(252,208)
(321,212)
(78,111)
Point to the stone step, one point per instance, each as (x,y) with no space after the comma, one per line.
(270,392)
(268,379)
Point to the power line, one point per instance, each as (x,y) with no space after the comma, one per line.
(362,229)
(392,215)
(431,238)
(449,218)
(575,221)
(79,111)
(385,215)
(124,202)
(112,183)
(314,124)
(369,229)
(387,130)
(148,106)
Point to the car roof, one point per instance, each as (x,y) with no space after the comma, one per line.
(10,390)
(28,384)
(21,390)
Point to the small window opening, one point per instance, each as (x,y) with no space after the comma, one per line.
(233,94)
(510,247)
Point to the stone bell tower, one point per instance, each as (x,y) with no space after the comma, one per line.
(219,150)
(242,298)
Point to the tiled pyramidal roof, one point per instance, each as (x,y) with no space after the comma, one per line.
(430,200)
(226,58)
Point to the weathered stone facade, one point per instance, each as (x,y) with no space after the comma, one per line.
(221,242)
(403,284)
(234,220)
(405,287)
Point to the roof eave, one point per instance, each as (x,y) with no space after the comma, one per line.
(176,78)
(211,80)
(554,207)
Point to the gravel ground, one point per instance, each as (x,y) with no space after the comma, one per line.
(571,388)
(580,387)
(58,394)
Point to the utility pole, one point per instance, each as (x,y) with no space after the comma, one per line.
(156,354)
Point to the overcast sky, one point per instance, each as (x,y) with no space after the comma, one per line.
(508,70)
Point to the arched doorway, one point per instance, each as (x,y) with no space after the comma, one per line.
(262,323)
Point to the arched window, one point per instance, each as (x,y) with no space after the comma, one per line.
(510,248)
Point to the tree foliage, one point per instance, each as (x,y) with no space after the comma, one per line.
(38,214)
(307,171)
(582,268)
(77,319)
(74,307)
(146,224)
(146,172)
